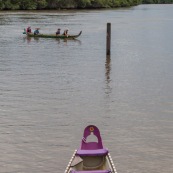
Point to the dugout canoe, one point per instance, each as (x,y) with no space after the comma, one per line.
(53,35)
(92,157)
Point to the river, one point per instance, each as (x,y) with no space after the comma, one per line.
(51,89)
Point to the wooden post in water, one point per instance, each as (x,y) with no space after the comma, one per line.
(108,39)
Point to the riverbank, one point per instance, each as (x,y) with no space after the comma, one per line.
(64,4)
(73,5)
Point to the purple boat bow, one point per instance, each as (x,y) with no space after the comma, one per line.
(91,157)
(91,148)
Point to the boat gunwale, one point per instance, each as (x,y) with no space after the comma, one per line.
(54,36)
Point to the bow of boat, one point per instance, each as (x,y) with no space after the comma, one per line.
(91,157)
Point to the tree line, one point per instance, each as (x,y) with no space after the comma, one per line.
(72,4)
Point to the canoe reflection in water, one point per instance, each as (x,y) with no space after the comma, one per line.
(58,40)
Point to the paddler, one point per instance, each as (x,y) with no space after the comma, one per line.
(36,32)
(58,31)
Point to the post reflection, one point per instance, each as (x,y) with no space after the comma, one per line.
(107,74)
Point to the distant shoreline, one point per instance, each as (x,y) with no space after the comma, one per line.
(61,5)
(65,4)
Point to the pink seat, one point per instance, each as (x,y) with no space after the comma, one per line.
(97,171)
(98,152)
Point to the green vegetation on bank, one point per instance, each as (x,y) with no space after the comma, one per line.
(64,4)
(73,4)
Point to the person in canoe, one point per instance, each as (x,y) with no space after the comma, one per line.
(36,32)
(28,30)
(65,32)
(58,31)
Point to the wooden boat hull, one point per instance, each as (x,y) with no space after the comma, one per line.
(92,157)
(54,36)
